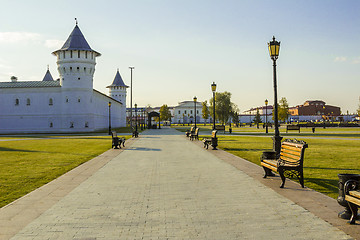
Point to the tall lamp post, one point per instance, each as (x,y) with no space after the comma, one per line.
(131,70)
(195,99)
(266,123)
(274,47)
(142,119)
(136,118)
(109,104)
(213,89)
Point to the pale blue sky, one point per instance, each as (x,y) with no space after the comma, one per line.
(179,48)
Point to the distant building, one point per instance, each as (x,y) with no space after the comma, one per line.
(317,107)
(248,116)
(184,113)
(310,111)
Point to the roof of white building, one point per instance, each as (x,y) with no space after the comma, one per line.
(76,41)
(103,94)
(30,84)
(118,82)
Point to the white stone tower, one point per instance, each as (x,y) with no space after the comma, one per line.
(76,65)
(117,89)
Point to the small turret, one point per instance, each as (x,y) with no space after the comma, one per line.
(48,76)
(117,89)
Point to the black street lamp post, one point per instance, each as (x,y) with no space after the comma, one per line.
(274,47)
(266,123)
(213,89)
(136,118)
(195,99)
(109,104)
(131,70)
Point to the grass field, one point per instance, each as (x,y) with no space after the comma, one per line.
(331,151)
(28,164)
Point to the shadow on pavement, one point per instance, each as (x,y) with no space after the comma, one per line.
(143,149)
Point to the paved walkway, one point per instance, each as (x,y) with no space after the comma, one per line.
(164,186)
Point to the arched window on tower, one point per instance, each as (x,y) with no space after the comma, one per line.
(28,101)
(63,54)
(78,53)
(70,53)
(86,54)
(17,102)
(51,102)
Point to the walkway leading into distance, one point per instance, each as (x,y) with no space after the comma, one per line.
(163,186)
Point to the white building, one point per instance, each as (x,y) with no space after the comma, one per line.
(69,104)
(248,116)
(184,113)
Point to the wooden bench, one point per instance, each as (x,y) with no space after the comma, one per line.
(213,141)
(135,134)
(352,196)
(188,132)
(220,128)
(116,141)
(292,127)
(195,134)
(289,163)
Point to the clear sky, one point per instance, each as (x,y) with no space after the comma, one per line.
(179,47)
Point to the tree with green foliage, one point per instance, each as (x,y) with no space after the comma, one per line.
(165,113)
(223,106)
(235,117)
(283,110)
(205,111)
(257,118)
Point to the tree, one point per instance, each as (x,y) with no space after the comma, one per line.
(165,113)
(235,116)
(205,111)
(257,118)
(223,106)
(283,109)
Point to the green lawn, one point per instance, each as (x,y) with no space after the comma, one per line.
(28,164)
(324,159)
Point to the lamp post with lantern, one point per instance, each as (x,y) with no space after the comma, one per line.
(213,89)
(136,118)
(195,99)
(109,104)
(131,74)
(266,123)
(274,47)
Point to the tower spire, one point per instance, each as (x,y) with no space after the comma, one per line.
(76,21)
